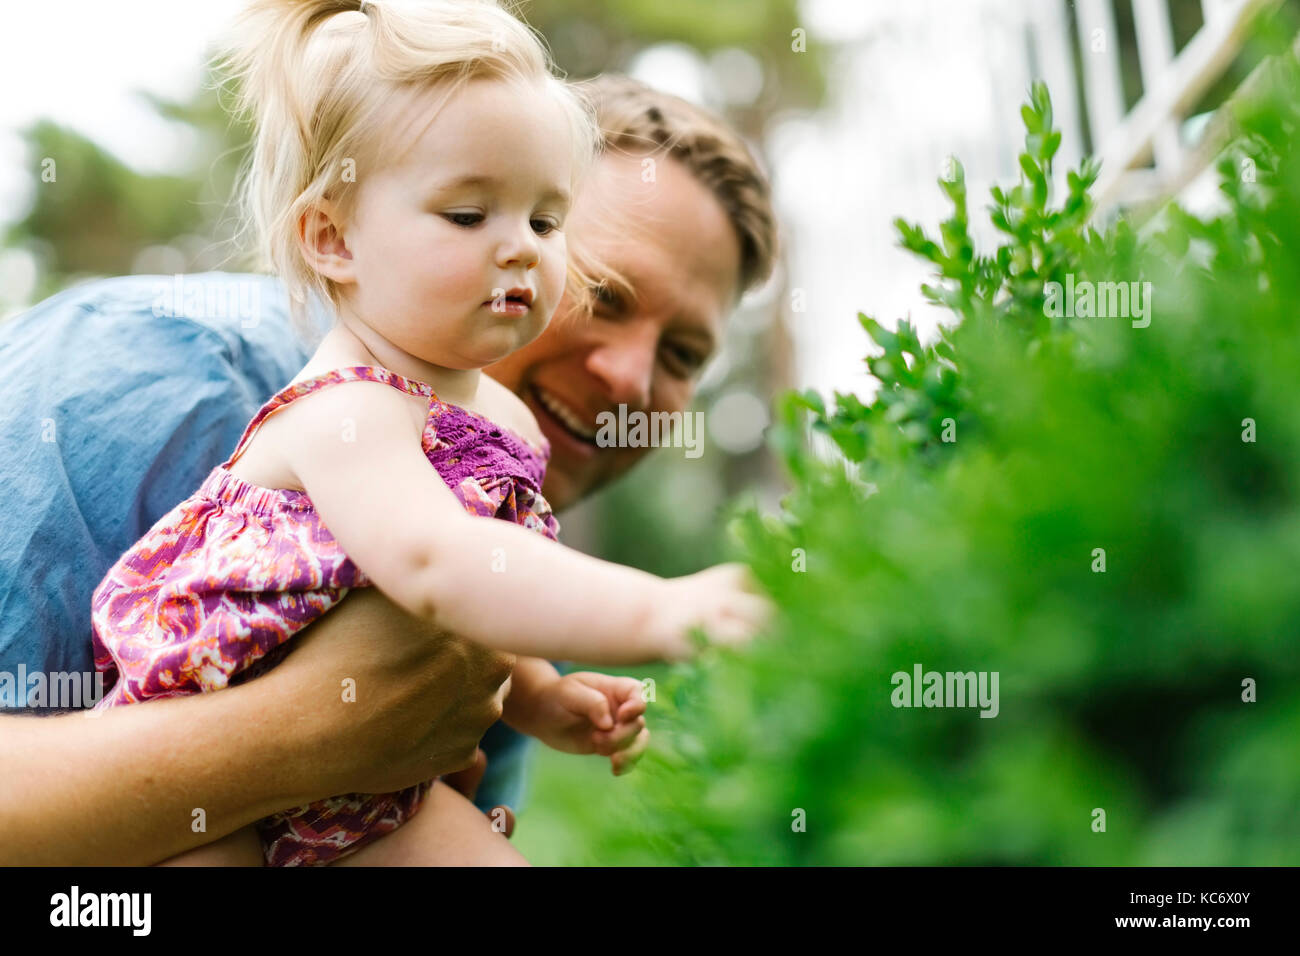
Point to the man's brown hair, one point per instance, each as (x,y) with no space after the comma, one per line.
(637,119)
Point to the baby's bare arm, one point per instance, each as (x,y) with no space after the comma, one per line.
(491,581)
(530,676)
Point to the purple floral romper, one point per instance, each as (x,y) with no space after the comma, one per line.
(212,593)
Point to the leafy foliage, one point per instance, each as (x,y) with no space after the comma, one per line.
(1173,448)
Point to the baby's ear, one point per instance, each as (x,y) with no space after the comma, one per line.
(324,244)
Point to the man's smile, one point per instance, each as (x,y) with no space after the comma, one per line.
(569,420)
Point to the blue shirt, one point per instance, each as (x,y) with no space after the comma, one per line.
(119,396)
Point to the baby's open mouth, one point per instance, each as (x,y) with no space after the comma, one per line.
(514,300)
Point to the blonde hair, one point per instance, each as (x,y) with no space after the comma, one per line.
(319,79)
(638,120)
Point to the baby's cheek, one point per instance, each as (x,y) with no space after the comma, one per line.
(554,269)
(444,267)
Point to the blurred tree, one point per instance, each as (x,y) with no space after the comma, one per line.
(97,214)
(588,38)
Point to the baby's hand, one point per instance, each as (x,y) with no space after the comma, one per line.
(723,601)
(586,713)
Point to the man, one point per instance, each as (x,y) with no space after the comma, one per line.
(115,413)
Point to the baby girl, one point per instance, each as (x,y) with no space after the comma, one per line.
(413,166)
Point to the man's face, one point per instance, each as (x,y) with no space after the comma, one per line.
(673,242)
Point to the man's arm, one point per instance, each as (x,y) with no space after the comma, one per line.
(121,788)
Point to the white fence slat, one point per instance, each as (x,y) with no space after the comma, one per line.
(1184,81)
(1099,52)
(1052,34)
(1214,9)
(1155,38)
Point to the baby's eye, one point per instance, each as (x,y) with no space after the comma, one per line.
(466,219)
(543,226)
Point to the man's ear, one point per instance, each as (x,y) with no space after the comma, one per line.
(323,245)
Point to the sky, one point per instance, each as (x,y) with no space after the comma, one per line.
(80,62)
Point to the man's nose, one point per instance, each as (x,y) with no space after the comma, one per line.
(624,361)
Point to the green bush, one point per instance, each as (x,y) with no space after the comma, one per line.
(957,526)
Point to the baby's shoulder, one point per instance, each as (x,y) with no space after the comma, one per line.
(504,407)
(329,400)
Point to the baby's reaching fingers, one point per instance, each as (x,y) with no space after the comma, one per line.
(631,707)
(591,703)
(622,761)
(628,738)
(609,742)
(723,601)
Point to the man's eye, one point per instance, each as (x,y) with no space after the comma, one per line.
(463,218)
(682,360)
(606,298)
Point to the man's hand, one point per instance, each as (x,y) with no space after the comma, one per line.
(422,703)
(589,713)
(424,699)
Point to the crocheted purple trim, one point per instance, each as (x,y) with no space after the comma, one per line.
(476,447)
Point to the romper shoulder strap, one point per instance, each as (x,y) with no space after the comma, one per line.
(295,390)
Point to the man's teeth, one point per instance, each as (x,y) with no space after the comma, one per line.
(570,420)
